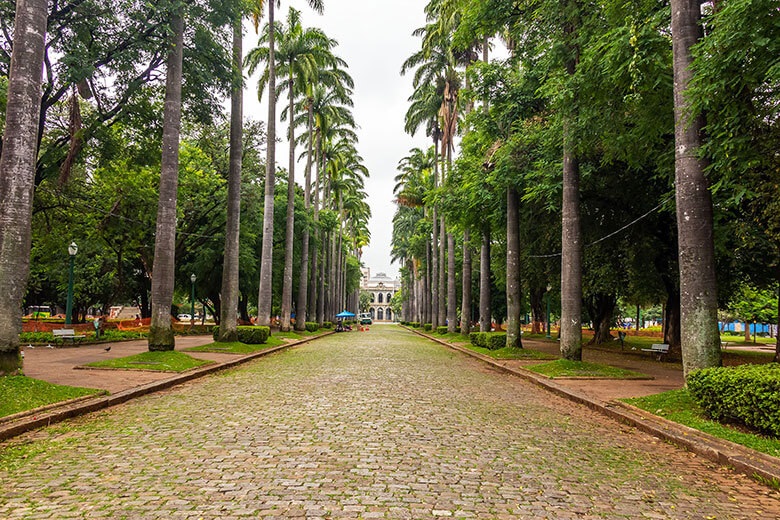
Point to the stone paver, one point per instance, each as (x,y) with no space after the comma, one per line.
(381,424)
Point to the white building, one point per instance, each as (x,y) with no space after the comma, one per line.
(381,288)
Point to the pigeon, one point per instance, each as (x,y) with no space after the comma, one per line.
(30,346)
(49,346)
(107,348)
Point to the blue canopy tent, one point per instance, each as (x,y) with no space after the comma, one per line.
(345,314)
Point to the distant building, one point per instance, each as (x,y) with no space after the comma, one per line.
(381,288)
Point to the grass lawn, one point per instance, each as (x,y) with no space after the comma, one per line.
(566,368)
(20,393)
(235,347)
(511,353)
(169,361)
(678,406)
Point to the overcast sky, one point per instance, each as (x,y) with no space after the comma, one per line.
(375,37)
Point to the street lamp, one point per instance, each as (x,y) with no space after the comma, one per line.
(72,250)
(549,287)
(192,299)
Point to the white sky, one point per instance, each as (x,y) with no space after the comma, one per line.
(375,38)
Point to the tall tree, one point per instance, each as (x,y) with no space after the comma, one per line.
(17,173)
(700,338)
(160,330)
(229,293)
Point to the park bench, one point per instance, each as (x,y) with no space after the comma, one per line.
(659,349)
(68,334)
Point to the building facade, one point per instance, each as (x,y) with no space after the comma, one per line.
(381,288)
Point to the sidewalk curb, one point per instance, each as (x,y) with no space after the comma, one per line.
(55,413)
(759,466)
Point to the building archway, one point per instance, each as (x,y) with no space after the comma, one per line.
(389,314)
(379,299)
(372,313)
(379,313)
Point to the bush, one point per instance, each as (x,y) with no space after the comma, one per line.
(478,339)
(414,324)
(441,330)
(312,326)
(748,394)
(253,335)
(327,324)
(427,327)
(495,340)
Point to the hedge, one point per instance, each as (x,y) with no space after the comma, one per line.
(414,324)
(488,340)
(427,327)
(250,335)
(312,326)
(747,394)
(441,330)
(327,324)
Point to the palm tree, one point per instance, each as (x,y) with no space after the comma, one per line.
(299,54)
(17,172)
(699,336)
(229,293)
(160,330)
(266,259)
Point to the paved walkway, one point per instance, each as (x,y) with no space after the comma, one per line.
(366,425)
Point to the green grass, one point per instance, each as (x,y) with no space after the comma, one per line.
(511,353)
(20,393)
(169,361)
(566,368)
(678,406)
(235,347)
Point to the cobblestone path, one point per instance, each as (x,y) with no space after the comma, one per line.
(381,424)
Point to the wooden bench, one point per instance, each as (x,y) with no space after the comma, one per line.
(68,334)
(659,349)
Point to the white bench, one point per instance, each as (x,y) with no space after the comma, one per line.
(659,349)
(67,334)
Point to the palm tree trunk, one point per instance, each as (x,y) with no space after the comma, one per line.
(571,257)
(164,267)
(452,294)
(265,293)
(287,278)
(700,341)
(228,320)
(302,304)
(512,268)
(485,318)
(465,309)
(426,295)
(17,174)
(442,305)
(435,271)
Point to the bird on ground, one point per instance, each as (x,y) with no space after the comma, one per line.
(49,346)
(107,348)
(30,346)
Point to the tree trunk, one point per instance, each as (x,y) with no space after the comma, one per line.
(485,318)
(228,320)
(287,278)
(600,309)
(700,342)
(452,294)
(302,304)
(538,319)
(571,255)
(17,174)
(465,309)
(265,293)
(435,271)
(777,332)
(442,305)
(164,267)
(513,339)
(672,323)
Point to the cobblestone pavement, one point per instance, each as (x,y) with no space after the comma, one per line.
(382,424)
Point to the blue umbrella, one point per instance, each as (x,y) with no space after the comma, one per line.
(345,314)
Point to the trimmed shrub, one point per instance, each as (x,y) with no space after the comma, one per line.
(479,339)
(253,335)
(415,324)
(441,330)
(495,340)
(312,326)
(327,324)
(427,327)
(215,332)
(747,394)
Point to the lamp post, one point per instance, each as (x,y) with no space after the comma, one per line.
(192,299)
(549,287)
(72,250)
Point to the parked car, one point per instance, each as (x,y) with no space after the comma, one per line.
(365,319)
